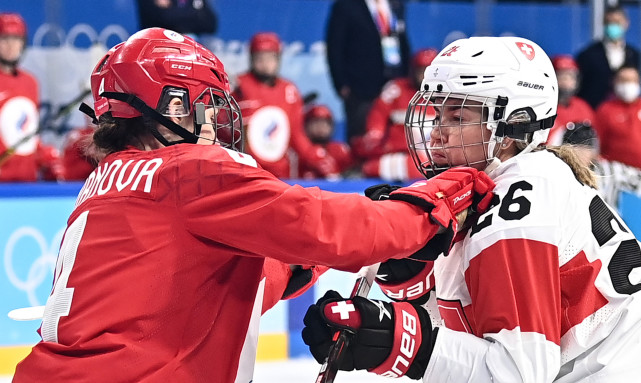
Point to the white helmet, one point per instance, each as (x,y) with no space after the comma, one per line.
(510,78)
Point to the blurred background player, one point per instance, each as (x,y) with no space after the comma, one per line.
(618,121)
(22,156)
(367,45)
(319,127)
(76,164)
(600,60)
(272,109)
(162,263)
(618,127)
(571,108)
(383,147)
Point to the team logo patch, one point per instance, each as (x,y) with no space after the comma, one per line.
(268,133)
(526,49)
(450,51)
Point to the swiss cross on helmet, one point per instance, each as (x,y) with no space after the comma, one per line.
(509,81)
(142,75)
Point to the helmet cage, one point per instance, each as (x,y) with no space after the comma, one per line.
(219,109)
(423,116)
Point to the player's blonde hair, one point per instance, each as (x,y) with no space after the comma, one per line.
(568,154)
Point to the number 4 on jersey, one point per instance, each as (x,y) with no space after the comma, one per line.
(59,302)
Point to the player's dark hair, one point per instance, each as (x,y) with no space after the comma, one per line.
(116,134)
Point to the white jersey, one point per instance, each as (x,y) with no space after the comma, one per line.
(544,287)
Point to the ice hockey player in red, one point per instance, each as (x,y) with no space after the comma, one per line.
(319,127)
(22,156)
(383,146)
(543,287)
(273,113)
(571,109)
(158,278)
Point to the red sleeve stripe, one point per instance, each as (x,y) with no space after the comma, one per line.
(515,283)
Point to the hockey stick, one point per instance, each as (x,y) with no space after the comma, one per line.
(364,281)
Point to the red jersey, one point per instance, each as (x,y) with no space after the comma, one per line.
(18,119)
(273,118)
(385,131)
(577,110)
(76,166)
(160,266)
(336,155)
(618,126)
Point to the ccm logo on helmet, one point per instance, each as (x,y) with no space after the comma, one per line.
(180,66)
(407,347)
(529,85)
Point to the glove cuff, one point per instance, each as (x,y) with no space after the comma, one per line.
(408,335)
(412,289)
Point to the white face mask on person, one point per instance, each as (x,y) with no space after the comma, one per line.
(627,91)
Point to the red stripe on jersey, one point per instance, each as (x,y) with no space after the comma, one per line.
(515,282)
(579,296)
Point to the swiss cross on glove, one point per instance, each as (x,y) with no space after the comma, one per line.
(390,339)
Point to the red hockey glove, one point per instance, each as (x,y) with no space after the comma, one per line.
(390,339)
(449,193)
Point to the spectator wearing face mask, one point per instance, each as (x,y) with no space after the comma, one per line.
(571,109)
(600,60)
(618,121)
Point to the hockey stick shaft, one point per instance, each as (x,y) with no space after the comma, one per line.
(64,110)
(364,281)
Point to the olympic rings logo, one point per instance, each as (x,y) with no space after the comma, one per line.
(78,30)
(40,269)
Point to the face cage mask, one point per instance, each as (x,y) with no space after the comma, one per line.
(433,116)
(218,114)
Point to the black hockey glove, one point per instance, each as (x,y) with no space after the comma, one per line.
(390,339)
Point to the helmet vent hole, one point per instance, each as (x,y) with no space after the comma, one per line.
(216,74)
(546,75)
(162,50)
(477,54)
(468,76)
(469,83)
(102,64)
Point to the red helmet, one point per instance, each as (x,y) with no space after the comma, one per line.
(564,62)
(264,42)
(12,24)
(319,111)
(143,74)
(423,57)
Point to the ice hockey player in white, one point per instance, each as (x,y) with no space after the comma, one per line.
(545,286)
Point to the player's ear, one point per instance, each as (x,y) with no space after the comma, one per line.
(176,110)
